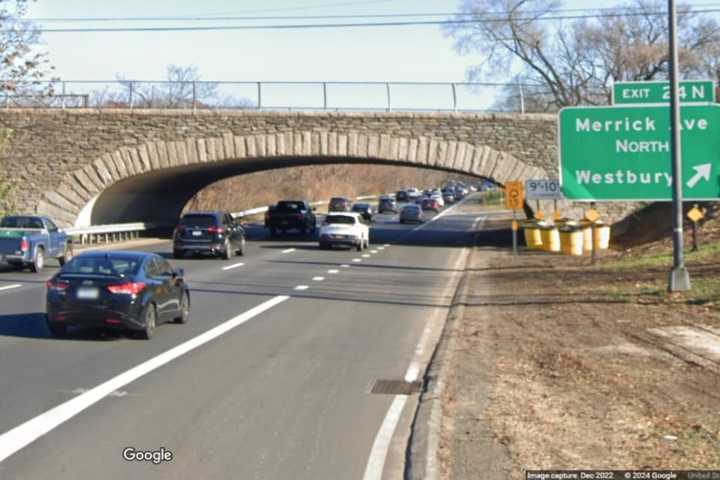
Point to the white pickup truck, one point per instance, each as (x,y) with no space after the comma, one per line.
(344,228)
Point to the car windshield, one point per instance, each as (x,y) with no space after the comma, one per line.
(359,207)
(411,208)
(339,219)
(21,222)
(202,221)
(104,266)
(289,206)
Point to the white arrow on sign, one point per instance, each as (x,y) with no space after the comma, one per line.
(701,172)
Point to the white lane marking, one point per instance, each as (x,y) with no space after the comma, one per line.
(386,245)
(376,462)
(365,255)
(10,287)
(235,265)
(357,260)
(381,248)
(318,279)
(344,265)
(333,271)
(373,251)
(116,393)
(301,287)
(381,446)
(26,433)
(289,250)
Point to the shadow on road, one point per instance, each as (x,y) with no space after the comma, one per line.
(33,325)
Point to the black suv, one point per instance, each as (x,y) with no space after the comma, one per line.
(289,214)
(216,233)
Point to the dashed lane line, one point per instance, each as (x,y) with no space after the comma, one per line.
(289,250)
(235,265)
(10,287)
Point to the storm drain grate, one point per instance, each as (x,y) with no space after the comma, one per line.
(395,387)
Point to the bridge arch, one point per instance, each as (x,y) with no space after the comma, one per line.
(153,181)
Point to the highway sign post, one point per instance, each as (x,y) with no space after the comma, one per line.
(624,153)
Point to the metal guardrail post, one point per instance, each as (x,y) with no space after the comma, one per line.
(63,95)
(454,97)
(194,96)
(389,98)
(522,98)
(130,95)
(259,95)
(324,88)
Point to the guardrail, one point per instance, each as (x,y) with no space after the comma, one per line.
(107,233)
(259,210)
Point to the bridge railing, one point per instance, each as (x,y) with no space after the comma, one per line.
(280,95)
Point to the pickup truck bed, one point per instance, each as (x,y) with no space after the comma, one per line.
(22,245)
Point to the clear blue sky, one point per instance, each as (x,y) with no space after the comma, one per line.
(398,54)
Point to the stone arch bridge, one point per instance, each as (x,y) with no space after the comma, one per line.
(115,166)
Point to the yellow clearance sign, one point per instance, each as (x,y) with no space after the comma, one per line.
(514,195)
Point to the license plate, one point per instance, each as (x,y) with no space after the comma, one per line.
(88,293)
(197,233)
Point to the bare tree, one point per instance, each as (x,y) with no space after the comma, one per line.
(21,67)
(181,88)
(576,62)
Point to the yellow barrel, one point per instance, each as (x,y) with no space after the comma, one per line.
(533,239)
(550,238)
(586,228)
(571,241)
(602,236)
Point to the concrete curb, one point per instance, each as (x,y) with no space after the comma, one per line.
(422,453)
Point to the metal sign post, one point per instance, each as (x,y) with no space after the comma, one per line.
(679,276)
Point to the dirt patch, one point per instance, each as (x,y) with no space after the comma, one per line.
(561,365)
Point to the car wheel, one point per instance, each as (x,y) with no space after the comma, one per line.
(241,252)
(324,246)
(360,246)
(67,254)
(39,261)
(150,322)
(178,254)
(184,309)
(303,231)
(273,232)
(227,252)
(57,331)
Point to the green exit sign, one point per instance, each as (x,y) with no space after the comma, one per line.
(643,93)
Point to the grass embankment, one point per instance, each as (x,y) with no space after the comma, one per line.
(655,264)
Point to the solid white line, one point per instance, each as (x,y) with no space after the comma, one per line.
(10,287)
(381,446)
(230,267)
(376,462)
(26,433)
(301,287)
(333,271)
(289,250)
(318,279)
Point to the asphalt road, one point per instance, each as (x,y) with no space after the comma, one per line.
(284,394)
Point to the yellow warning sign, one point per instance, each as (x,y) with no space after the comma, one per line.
(514,195)
(592,215)
(695,214)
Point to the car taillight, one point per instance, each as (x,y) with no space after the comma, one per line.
(24,245)
(56,285)
(129,288)
(216,230)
